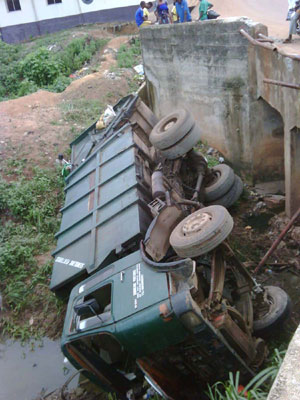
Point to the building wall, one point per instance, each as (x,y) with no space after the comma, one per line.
(36,17)
(25,15)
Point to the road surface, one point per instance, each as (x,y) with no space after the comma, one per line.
(269,12)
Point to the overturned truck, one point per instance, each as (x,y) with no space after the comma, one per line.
(158,294)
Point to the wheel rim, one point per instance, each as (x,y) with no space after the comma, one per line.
(169,124)
(196,223)
(216,177)
(265,308)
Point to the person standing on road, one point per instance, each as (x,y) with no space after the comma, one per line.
(139,16)
(146,12)
(293,23)
(174,14)
(183,11)
(203,8)
(163,14)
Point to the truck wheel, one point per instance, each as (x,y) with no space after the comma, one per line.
(183,146)
(234,193)
(277,310)
(224,179)
(201,231)
(171,129)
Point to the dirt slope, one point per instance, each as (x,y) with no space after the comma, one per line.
(34,126)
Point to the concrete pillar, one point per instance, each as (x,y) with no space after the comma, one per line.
(292,170)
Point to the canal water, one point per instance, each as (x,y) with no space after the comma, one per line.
(35,368)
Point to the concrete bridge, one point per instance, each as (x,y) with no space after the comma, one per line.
(218,74)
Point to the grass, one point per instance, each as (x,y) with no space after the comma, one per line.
(29,212)
(129,55)
(258,387)
(44,63)
(82,112)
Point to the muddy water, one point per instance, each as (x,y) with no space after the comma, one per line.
(27,371)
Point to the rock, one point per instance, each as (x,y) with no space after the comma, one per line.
(275,187)
(275,202)
(295,234)
(259,206)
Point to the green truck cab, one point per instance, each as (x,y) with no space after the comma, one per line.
(158,294)
(129,321)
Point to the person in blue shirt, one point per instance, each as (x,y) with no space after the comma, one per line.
(162,12)
(139,15)
(183,11)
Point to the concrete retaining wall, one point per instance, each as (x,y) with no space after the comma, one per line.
(287,382)
(215,72)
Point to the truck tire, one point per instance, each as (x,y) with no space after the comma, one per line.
(221,185)
(234,193)
(202,231)
(171,129)
(183,146)
(279,310)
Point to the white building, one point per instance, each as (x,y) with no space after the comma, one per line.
(22,19)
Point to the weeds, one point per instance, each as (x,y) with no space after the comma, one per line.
(24,69)
(29,215)
(82,111)
(129,54)
(256,389)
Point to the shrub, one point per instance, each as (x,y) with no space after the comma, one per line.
(40,68)
(27,87)
(60,83)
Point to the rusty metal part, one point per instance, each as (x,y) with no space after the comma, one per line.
(186,263)
(157,243)
(156,206)
(198,186)
(217,277)
(189,203)
(245,284)
(256,42)
(264,37)
(277,241)
(157,184)
(167,381)
(280,83)
(234,334)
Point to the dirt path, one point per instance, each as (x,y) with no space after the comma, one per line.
(34,127)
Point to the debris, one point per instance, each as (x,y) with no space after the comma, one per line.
(295,234)
(139,69)
(110,75)
(221,160)
(274,187)
(278,240)
(248,228)
(106,117)
(259,206)
(28,133)
(275,202)
(210,151)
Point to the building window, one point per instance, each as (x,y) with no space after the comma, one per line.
(13,5)
(54,1)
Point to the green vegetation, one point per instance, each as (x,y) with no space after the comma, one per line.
(129,55)
(27,68)
(257,389)
(29,212)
